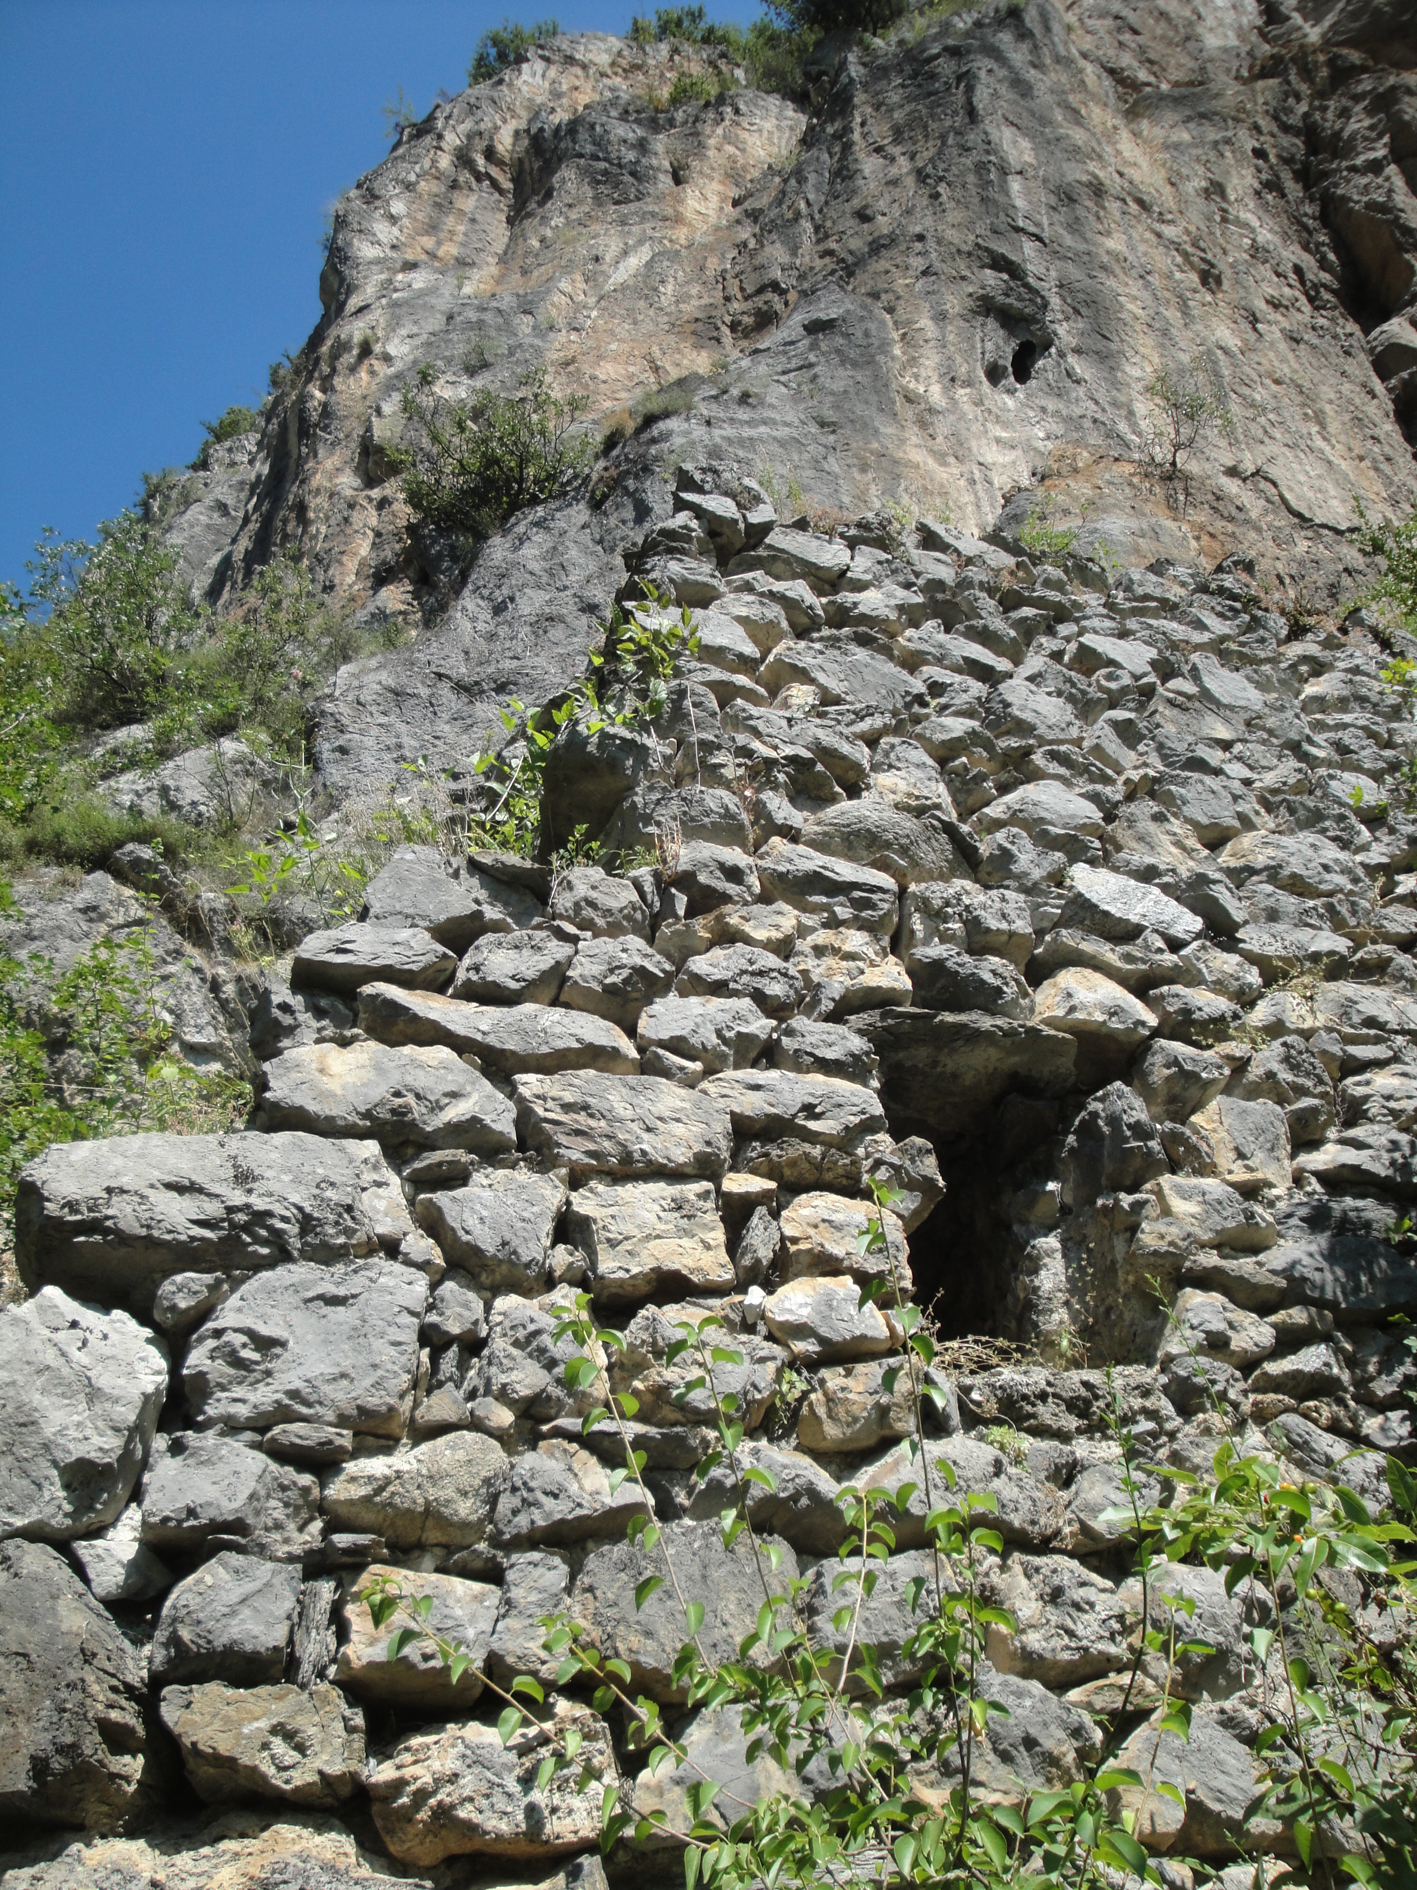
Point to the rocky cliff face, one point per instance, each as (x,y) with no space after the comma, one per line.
(951,281)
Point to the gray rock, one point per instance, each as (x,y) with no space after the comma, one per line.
(815,1109)
(80,1395)
(715,1746)
(1137,968)
(213,786)
(873,833)
(308,1443)
(438,1495)
(1247,1143)
(111,1218)
(1112,906)
(990,921)
(1287,1072)
(716,1033)
(1036,1743)
(939,1072)
(417,1681)
(75,1751)
(1111,1147)
(787,554)
(1304,864)
(615,978)
(208,1486)
(457,1790)
(231,1620)
(624,1125)
(539,1039)
(303,1748)
(1028,1512)
(1052,816)
(353,955)
(311,1345)
(588,775)
(500,1227)
(828,889)
(283,1019)
(1174,1081)
(117,1566)
(648,1639)
(1212,1774)
(742,971)
(643,1237)
(800,1506)
(535,1584)
(822,1321)
(852,1409)
(826,1234)
(513,968)
(590,899)
(707,877)
(807,1048)
(560,1493)
(455,1313)
(1193,1017)
(756,1251)
(943,978)
(1071,1622)
(415,1096)
(1106,1020)
(420,890)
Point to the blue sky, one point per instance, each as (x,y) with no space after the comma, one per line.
(165,169)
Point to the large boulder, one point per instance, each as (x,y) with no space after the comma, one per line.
(421,1097)
(420,890)
(835,891)
(623,1125)
(110,1219)
(73,1734)
(512,1039)
(230,1621)
(458,1791)
(439,1495)
(311,1345)
(942,1071)
(80,1395)
(648,1638)
(267,1742)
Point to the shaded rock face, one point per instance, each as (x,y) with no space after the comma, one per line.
(945,280)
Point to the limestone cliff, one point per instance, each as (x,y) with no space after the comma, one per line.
(951,278)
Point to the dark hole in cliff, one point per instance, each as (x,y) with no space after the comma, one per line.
(1025,355)
(963,1255)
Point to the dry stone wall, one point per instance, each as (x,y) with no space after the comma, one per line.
(1042,895)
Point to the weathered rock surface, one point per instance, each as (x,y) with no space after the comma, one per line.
(499,1227)
(459,1792)
(633,1125)
(231,1620)
(305,1748)
(74,1750)
(440,1494)
(311,1345)
(110,1219)
(80,1394)
(644,1237)
(416,1681)
(419,1097)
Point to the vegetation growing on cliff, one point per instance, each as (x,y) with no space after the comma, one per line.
(503,45)
(478,462)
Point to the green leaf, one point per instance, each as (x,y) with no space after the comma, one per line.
(532,1688)
(1127,1851)
(644,1589)
(509,1724)
(694,1617)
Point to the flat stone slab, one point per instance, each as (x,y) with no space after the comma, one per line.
(420,1095)
(939,1069)
(208,1486)
(643,1237)
(818,1109)
(311,1345)
(349,956)
(717,1033)
(108,1220)
(1110,905)
(623,1125)
(80,1395)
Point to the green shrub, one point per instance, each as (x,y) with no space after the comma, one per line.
(700,88)
(76,828)
(119,624)
(1395,592)
(105,1015)
(503,45)
(232,424)
(819,17)
(478,462)
(691,24)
